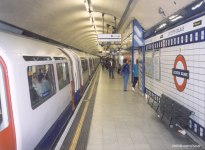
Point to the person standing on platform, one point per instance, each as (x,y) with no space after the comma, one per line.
(135,74)
(119,68)
(111,67)
(103,63)
(125,71)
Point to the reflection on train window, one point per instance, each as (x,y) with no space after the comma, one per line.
(41,83)
(63,75)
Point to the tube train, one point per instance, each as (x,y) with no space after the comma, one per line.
(40,86)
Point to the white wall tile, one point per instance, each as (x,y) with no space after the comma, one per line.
(193,97)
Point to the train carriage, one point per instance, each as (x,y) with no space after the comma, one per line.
(35,92)
(40,86)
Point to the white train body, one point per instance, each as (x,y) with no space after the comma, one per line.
(29,117)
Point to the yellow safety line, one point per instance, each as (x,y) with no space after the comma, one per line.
(78,130)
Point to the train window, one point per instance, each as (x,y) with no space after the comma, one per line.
(4,118)
(174,41)
(202,35)
(41,83)
(171,41)
(36,58)
(59,58)
(84,65)
(90,63)
(63,75)
(177,40)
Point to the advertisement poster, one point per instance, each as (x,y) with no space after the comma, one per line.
(152,64)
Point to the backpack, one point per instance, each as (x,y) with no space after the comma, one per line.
(125,69)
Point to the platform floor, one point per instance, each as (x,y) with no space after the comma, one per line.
(124,121)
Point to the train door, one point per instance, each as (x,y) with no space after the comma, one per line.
(72,82)
(7,131)
(72,79)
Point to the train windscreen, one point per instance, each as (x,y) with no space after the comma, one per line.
(4,119)
(0,111)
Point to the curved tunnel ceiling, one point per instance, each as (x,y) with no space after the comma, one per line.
(67,21)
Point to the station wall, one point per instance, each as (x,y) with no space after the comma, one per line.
(187,40)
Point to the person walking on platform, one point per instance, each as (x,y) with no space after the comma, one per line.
(135,75)
(103,63)
(125,71)
(111,67)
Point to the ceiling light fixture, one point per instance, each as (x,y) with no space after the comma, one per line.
(197,5)
(92,20)
(86,5)
(176,18)
(172,17)
(162,25)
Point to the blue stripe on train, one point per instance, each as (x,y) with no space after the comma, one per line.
(54,133)
(79,93)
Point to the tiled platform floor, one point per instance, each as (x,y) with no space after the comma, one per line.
(124,121)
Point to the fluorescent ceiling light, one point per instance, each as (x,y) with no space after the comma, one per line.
(162,25)
(197,6)
(176,18)
(86,5)
(172,17)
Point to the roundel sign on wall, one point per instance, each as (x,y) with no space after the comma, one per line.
(180,73)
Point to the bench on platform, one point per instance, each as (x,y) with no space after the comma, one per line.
(176,113)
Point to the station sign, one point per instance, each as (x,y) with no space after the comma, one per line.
(180,73)
(109,37)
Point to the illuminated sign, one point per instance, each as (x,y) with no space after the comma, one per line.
(109,37)
(197,23)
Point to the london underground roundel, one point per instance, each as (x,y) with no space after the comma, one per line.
(180,73)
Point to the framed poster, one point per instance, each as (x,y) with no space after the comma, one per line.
(152,64)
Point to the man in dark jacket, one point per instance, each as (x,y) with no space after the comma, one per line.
(111,67)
